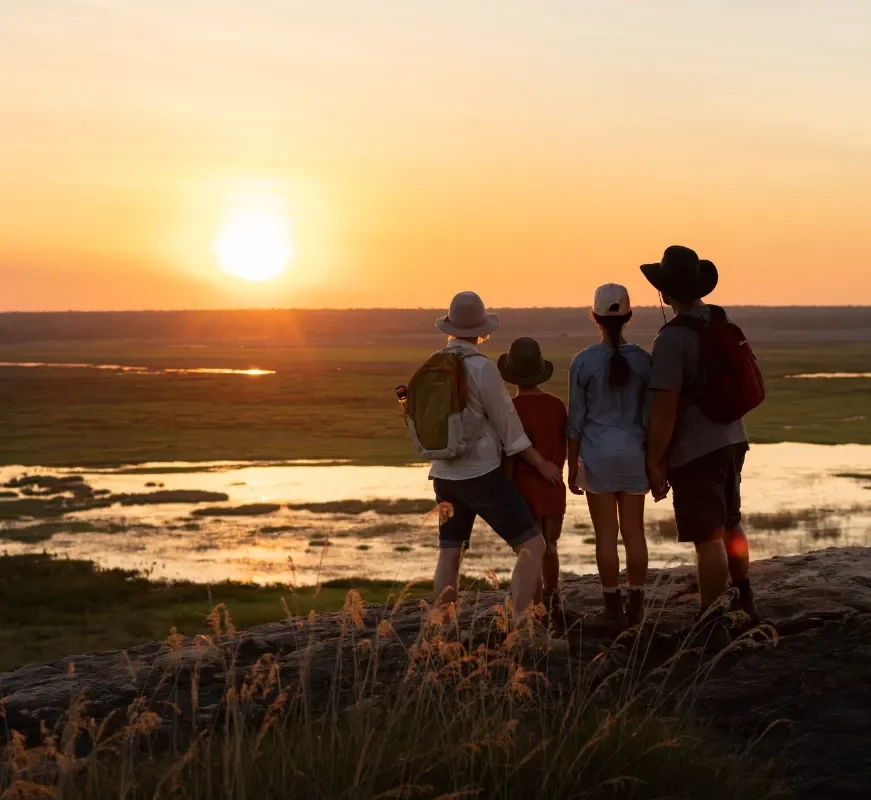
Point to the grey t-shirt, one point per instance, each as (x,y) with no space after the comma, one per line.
(676,369)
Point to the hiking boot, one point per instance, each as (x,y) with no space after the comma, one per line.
(747,604)
(614,612)
(635,607)
(711,632)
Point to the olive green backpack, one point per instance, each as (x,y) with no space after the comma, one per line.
(441,425)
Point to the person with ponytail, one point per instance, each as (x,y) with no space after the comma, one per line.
(606,436)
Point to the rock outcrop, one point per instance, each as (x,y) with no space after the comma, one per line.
(805,694)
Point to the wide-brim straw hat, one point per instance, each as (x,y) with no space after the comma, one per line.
(682,275)
(523,364)
(467,318)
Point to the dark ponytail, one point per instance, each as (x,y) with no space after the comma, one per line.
(619,370)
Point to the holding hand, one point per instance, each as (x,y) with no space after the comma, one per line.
(551,473)
(577,478)
(658,484)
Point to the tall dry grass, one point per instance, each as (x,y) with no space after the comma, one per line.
(439,718)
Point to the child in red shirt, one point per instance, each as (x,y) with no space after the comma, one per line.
(544,419)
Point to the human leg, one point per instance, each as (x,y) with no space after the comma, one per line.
(606,526)
(712,571)
(496,500)
(737,546)
(738,551)
(455,531)
(630,509)
(527,574)
(447,575)
(551,528)
(699,495)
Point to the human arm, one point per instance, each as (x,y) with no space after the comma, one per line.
(663,418)
(509,465)
(577,412)
(666,382)
(500,411)
(574,466)
(547,469)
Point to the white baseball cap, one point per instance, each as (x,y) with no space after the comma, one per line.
(611,300)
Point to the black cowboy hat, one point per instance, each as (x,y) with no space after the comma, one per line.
(523,365)
(682,274)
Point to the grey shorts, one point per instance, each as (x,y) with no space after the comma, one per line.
(707,494)
(494,498)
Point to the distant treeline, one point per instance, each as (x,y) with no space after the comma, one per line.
(361,327)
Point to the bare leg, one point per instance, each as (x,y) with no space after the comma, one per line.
(603,512)
(550,528)
(447,574)
(739,554)
(713,570)
(631,510)
(527,574)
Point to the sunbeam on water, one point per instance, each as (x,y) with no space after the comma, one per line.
(830,375)
(121,368)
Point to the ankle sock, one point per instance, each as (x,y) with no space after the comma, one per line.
(611,589)
(635,588)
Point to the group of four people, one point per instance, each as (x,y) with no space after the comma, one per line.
(632,426)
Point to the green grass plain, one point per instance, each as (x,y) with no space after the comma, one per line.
(324,402)
(54,607)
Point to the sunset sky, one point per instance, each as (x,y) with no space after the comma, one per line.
(394,152)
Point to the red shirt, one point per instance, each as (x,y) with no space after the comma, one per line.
(544,419)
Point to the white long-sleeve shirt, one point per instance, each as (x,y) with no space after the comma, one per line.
(501,429)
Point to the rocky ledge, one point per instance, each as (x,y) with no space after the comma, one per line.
(803,695)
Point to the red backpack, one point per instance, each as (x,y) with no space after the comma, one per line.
(733,384)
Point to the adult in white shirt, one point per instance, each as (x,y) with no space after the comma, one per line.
(475,484)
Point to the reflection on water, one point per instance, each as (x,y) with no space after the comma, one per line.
(815,375)
(119,368)
(219,371)
(796,498)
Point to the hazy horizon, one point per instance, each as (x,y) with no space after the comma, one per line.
(273,309)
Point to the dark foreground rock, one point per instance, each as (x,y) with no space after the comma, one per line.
(803,696)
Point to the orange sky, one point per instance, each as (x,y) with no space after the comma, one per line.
(527,150)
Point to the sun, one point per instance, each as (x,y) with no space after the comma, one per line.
(254,244)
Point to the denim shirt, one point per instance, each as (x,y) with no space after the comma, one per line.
(611,423)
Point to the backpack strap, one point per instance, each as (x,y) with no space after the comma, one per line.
(718,315)
(685,321)
(690,395)
(463,356)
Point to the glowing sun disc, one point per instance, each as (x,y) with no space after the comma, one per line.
(254,245)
